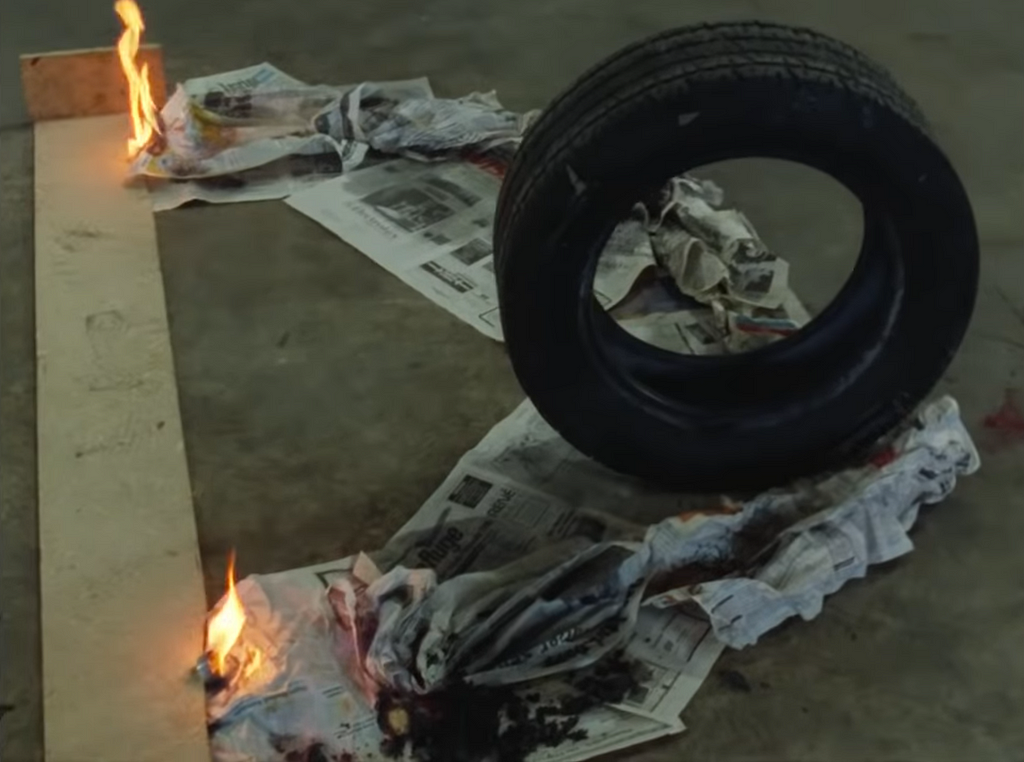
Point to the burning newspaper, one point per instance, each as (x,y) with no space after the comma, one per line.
(258,133)
(515,589)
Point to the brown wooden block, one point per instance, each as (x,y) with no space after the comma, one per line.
(72,83)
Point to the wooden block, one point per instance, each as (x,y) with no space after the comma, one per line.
(90,82)
(123,604)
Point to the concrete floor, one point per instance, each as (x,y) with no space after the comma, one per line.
(323,400)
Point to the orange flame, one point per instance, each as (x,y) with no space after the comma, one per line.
(225,625)
(145,122)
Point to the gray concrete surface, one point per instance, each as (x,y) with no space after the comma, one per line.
(323,400)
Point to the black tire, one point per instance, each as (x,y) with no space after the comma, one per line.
(805,404)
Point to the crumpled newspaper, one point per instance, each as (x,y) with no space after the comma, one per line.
(737,290)
(228,125)
(473,624)
(421,126)
(841,524)
(748,567)
(714,255)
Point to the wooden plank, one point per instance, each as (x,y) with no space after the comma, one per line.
(122,594)
(72,83)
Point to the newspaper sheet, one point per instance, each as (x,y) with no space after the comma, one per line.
(820,533)
(430,225)
(481,518)
(277,179)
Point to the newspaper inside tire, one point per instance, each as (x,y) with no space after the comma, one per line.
(804,404)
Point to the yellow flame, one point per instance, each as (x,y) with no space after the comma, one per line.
(140,98)
(254,660)
(225,625)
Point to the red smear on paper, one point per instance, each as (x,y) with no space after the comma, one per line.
(489,163)
(1007,423)
(883,458)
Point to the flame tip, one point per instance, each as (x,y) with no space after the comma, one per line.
(144,118)
(226,622)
